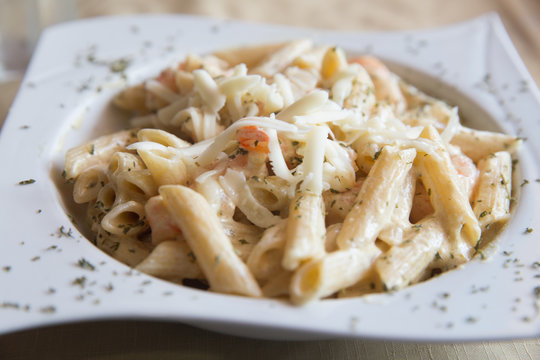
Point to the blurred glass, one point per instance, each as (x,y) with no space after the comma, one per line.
(21,22)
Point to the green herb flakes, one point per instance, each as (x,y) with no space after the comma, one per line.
(84,264)
(26,182)
(119,65)
(80,281)
(47,310)
(62,232)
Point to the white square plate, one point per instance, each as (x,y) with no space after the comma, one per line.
(64,100)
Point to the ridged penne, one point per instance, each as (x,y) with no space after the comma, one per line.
(265,259)
(478,144)
(126,249)
(399,222)
(439,177)
(127,219)
(326,275)
(89,183)
(305,231)
(171,260)
(96,152)
(491,203)
(403,263)
(165,165)
(202,230)
(161,137)
(137,184)
(377,198)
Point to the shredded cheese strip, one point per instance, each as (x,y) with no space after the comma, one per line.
(276,157)
(234,184)
(162,91)
(221,141)
(313,160)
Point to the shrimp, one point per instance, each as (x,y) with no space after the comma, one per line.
(386,84)
(467,172)
(163,226)
(251,138)
(141,101)
(289,150)
(252,151)
(167,78)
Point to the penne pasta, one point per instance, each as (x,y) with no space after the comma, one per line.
(88,184)
(171,260)
(265,259)
(377,198)
(491,203)
(202,230)
(95,152)
(478,144)
(305,231)
(439,177)
(291,171)
(403,263)
(326,275)
(399,220)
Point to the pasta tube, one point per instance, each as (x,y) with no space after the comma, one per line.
(202,230)
(305,230)
(478,144)
(171,260)
(326,275)
(377,198)
(439,177)
(492,201)
(96,152)
(400,216)
(402,264)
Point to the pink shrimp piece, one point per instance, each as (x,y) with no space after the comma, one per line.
(467,171)
(386,85)
(251,138)
(252,152)
(168,79)
(288,149)
(161,222)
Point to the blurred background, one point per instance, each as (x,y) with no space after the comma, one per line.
(21,22)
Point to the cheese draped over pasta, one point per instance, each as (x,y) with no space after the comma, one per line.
(291,170)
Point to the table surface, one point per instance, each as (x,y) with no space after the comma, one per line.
(157,340)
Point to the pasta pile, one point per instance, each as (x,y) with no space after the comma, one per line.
(290,170)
